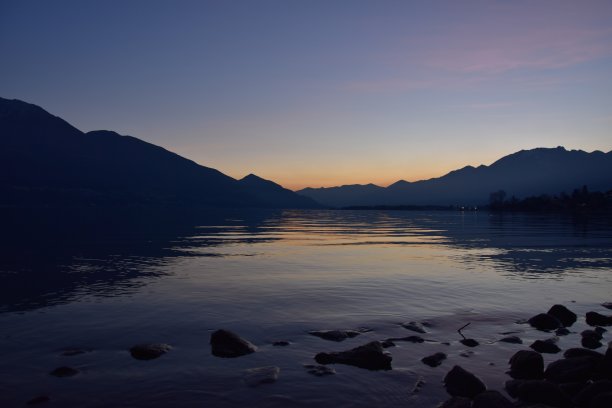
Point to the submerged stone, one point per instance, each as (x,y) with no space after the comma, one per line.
(414,326)
(512,340)
(469,342)
(64,372)
(261,375)
(411,339)
(319,370)
(225,343)
(434,360)
(369,356)
(149,351)
(335,335)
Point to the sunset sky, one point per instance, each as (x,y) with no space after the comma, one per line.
(320,93)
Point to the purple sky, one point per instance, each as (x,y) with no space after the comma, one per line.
(320,93)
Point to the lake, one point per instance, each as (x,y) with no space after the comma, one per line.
(101,283)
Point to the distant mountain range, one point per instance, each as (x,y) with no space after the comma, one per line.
(44,161)
(525,173)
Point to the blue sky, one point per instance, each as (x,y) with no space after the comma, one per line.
(320,93)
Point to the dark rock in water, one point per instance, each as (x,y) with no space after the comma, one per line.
(562,331)
(281,343)
(597,319)
(545,346)
(544,321)
(603,400)
(434,360)
(584,397)
(456,402)
(387,344)
(607,305)
(526,364)
(38,400)
(491,399)
(335,335)
(600,330)
(64,372)
(370,356)
(512,387)
(414,326)
(571,369)
(149,351)
(261,375)
(469,342)
(563,314)
(225,343)
(319,370)
(592,333)
(542,392)
(590,342)
(512,339)
(462,383)
(581,352)
(411,339)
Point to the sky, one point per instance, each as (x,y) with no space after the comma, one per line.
(320,93)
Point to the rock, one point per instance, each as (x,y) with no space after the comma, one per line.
(571,369)
(512,387)
(411,339)
(469,342)
(466,354)
(597,319)
(370,356)
(64,372)
(228,344)
(456,402)
(584,397)
(562,331)
(600,330)
(592,333)
(319,370)
(512,339)
(542,392)
(563,314)
(335,335)
(572,389)
(590,343)
(544,321)
(491,399)
(607,305)
(414,326)
(434,360)
(38,400)
(581,352)
(462,383)
(281,343)
(603,400)
(545,346)
(261,375)
(149,351)
(387,343)
(420,382)
(526,364)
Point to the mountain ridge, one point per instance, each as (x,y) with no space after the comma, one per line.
(45,161)
(526,172)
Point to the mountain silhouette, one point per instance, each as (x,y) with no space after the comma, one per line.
(521,174)
(45,161)
(274,194)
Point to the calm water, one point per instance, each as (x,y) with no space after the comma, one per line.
(104,283)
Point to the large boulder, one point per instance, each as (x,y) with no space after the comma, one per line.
(563,314)
(461,383)
(370,356)
(571,369)
(542,392)
(225,343)
(545,322)
(597,319)
(526,364)
(592,390)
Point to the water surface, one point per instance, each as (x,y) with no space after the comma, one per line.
(104,282)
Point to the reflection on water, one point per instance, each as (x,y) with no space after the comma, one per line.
(103,282)
(55,258)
